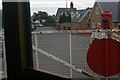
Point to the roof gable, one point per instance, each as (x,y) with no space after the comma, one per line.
(86,15)
(81,15)
(93,9)
(60,10)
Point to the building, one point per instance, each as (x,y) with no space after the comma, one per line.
(79,18)
(66,10)
(100,7)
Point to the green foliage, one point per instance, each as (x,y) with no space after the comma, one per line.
(62,18)
(34,17)
(50,20)
(65,18)
(39,16)
(43,16)
(68,18)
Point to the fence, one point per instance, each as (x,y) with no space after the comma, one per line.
(69,46)
(66,53)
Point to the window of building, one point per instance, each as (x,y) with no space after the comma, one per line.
(97,10)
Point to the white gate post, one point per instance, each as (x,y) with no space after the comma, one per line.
(36,53)
(70,53)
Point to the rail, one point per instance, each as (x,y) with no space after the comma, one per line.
(63,62)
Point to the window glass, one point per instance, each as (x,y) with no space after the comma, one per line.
(58,50)
(97,11)
(54,50)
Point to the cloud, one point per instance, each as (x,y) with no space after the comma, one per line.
(51,6)
(60,3)
(49,10)
(47,4)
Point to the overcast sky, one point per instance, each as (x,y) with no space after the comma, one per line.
(51,6)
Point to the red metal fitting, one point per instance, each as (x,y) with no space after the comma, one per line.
(106,20)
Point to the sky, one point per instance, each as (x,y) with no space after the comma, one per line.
(51,6)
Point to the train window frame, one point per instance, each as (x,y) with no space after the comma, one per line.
(18,43)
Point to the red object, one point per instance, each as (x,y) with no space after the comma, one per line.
(106,20)
(104,57)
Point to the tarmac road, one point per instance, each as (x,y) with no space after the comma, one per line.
(59,45)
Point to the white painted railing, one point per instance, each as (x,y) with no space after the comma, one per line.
(63,62)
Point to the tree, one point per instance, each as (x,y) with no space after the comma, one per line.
(65,18)
(34,17)
(42,15)
(68,18)
(49,20)
(39,16)
(62,18)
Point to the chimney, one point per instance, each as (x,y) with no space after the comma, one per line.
(71,5)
